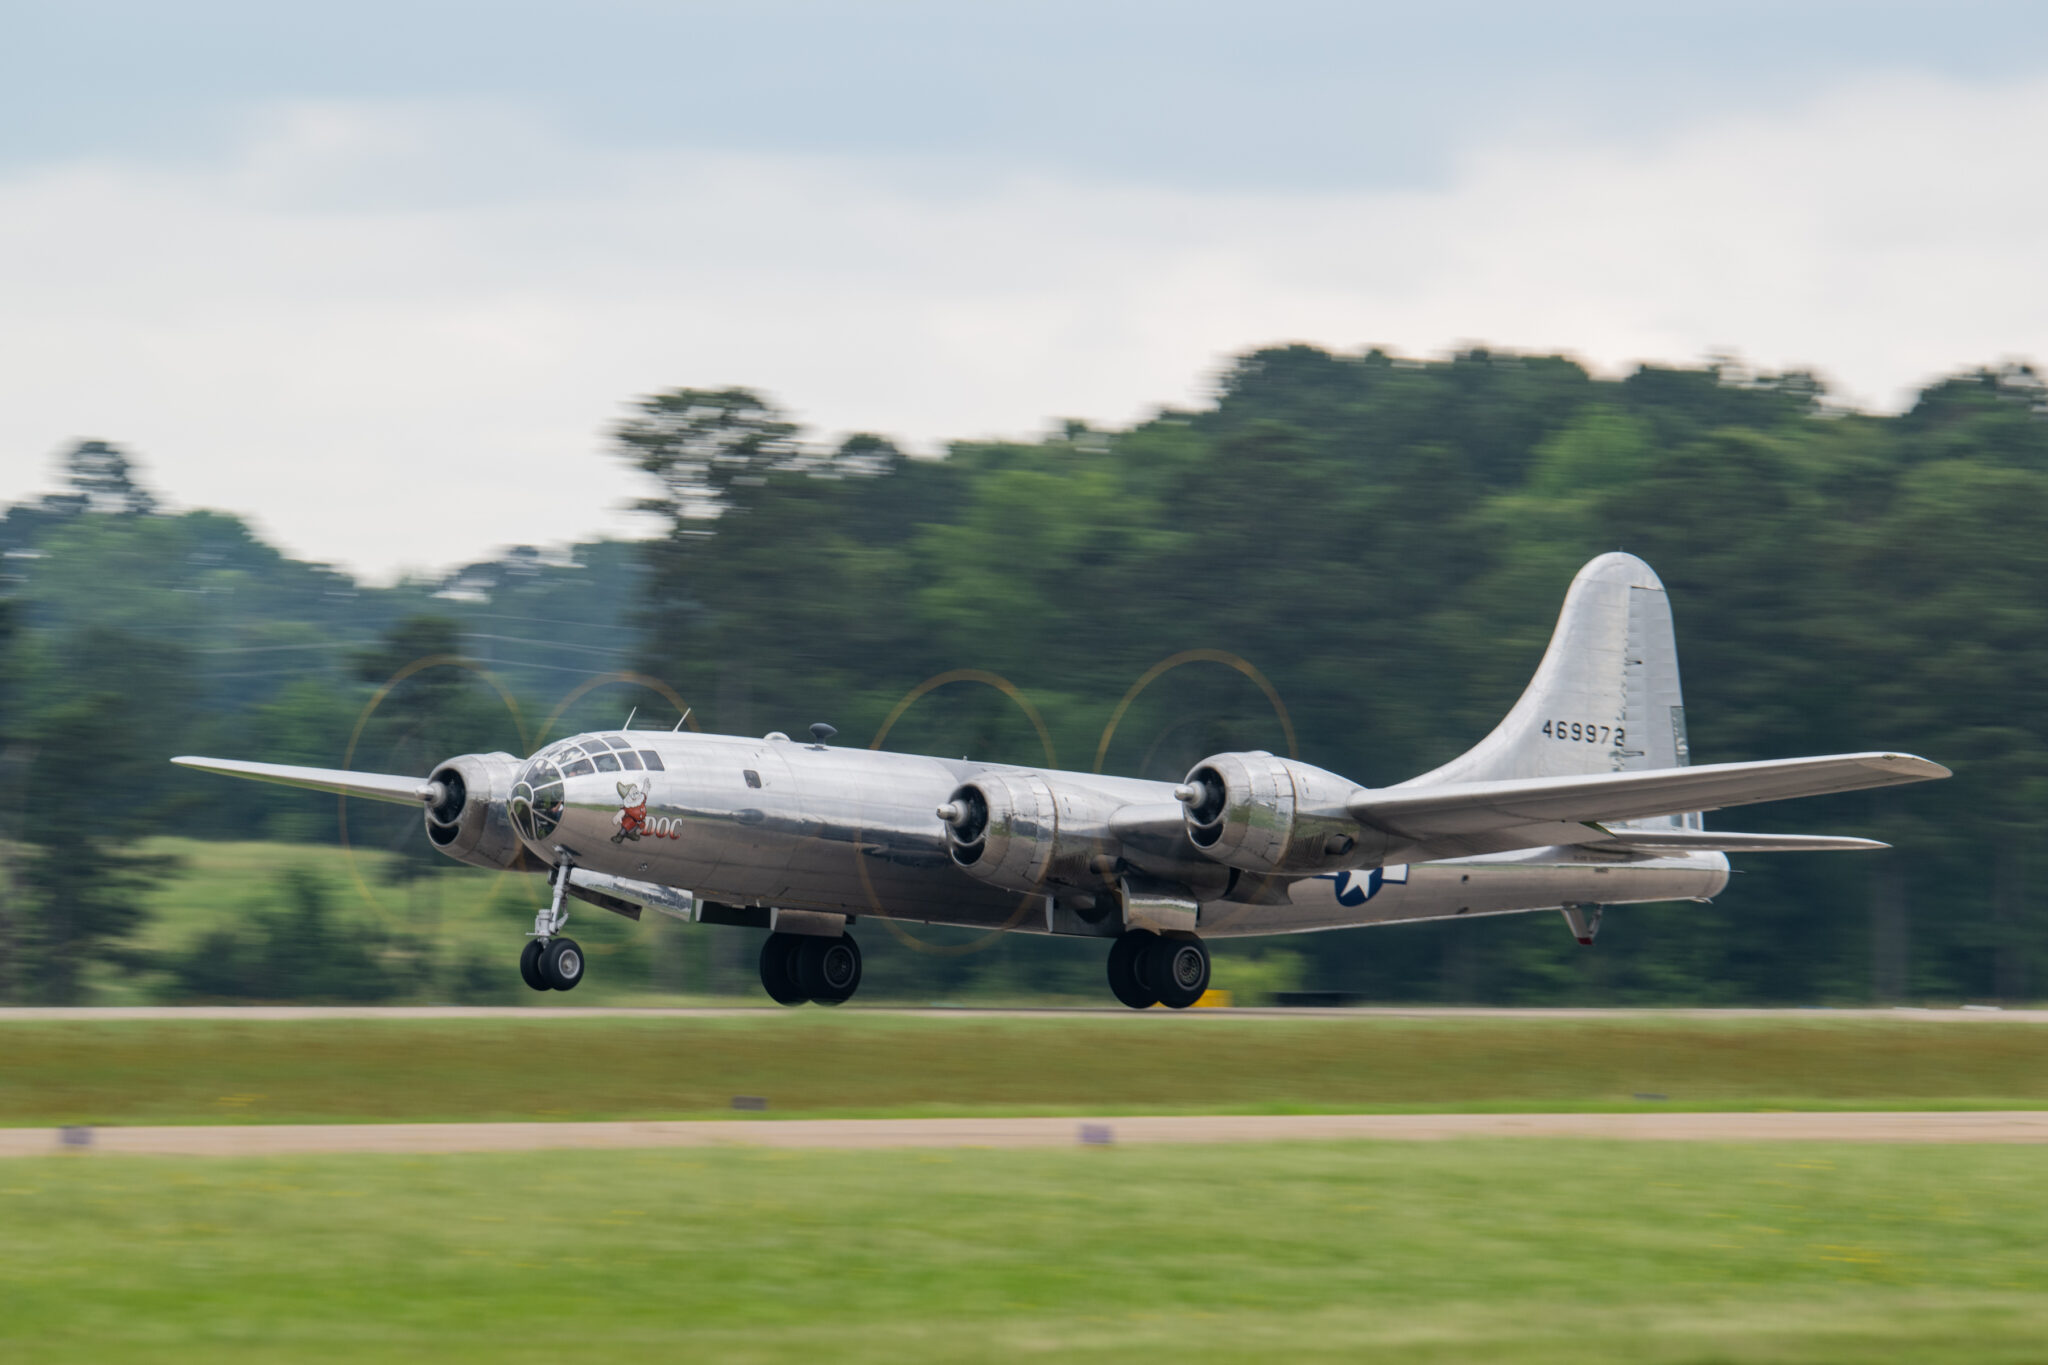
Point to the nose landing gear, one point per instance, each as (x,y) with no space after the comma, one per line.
(550,962)
(1147,969)
(804,967)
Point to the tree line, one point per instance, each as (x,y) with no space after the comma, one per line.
(1383,542)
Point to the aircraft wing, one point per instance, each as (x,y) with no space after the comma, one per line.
(1463,809)
(404,791)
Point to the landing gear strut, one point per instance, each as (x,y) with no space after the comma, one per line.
(1147,969)
(550,962)
(800,967)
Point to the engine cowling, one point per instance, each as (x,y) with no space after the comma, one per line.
(469,817)
(1017,830)
(1275,815)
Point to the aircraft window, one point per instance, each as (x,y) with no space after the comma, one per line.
(753,778)
(605,763)
(617,742)
(652,760)
(581,767)
(546,810)
(629,760)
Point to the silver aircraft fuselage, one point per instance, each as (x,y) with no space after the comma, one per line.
(779,823)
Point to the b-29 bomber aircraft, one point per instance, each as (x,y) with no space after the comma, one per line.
(1583,797)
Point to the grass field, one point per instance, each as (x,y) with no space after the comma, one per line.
(1522,1251)
(851,1063)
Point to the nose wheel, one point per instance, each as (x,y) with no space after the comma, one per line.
(802,967)
(550,962)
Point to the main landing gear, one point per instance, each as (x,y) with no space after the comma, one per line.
(1147,969)
(550,962)
(556,965)
(800,967)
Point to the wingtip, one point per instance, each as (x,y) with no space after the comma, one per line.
(1922,769)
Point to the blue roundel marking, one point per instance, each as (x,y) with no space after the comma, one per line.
(1356,888)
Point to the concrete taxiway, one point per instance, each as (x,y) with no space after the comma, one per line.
(2003,1126)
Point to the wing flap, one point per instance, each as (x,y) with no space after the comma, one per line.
(1604,798)
(1723,841)
(404,791)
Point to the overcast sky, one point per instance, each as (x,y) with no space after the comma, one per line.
(380,275)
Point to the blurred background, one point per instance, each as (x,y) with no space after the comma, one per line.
(452,378)
(1387,541)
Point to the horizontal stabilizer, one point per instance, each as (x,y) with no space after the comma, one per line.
(1464,808)
(404,791)
(1722,841)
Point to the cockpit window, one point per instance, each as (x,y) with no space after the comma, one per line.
(538,799)
(536,804)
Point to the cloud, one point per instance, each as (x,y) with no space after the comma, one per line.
(394,332)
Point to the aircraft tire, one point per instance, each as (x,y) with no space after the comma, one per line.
(1177,966)
(777,975)
(529,964)
(827,970)
(1125,982)
(562,964)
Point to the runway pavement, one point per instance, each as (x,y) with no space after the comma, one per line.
(1967,1014)
(431,1138)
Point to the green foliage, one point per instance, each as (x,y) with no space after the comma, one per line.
(298,951)
(698,444)
(78,880)
(1386,540)
(1256,977)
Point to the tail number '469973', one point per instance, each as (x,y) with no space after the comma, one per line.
(1583,732)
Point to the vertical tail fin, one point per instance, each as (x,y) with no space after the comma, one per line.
(1606,696)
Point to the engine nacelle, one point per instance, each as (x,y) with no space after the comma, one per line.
(1017,830)
(1265,814)
(469,819)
